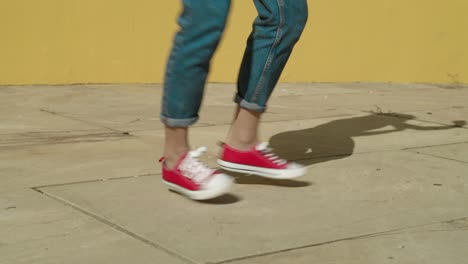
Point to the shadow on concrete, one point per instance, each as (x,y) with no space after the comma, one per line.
(334,140)
(242,178)
(254,179)
(223,199)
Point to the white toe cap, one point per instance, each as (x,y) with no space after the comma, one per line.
(295,166)
(218,181)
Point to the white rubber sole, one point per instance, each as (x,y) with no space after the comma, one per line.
(202,194)
(282,174)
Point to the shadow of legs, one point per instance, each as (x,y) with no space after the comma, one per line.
(241,178)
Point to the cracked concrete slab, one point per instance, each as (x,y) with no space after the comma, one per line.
(262,216)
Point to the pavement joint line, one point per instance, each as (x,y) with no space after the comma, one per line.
(437,145)
(57,143)
(435,156)
(390,114)
(117,227)
(420,110)
(123,136)
(370,235)
(47,132)
(37,188)
(80,120)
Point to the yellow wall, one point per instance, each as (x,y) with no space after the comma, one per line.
(122,41)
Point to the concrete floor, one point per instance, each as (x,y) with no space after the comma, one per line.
(387,180)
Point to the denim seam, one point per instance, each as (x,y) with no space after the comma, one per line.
(269,60)
(170,70)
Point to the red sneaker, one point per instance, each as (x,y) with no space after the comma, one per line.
(194,179)
(260,161)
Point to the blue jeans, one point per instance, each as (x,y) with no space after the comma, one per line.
(275,32)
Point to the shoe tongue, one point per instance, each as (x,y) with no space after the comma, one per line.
(262,146)
(198,152)
(181,159)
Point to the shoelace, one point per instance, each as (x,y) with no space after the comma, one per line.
(194,169)
(268,152)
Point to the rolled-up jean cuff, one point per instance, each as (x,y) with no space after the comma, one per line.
(247,105)
(172,122)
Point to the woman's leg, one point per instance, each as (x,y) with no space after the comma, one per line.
(275,32)
(244,129)
(201,24)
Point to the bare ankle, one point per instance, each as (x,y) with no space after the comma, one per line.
(241,144)
(243,134)
(172,157)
